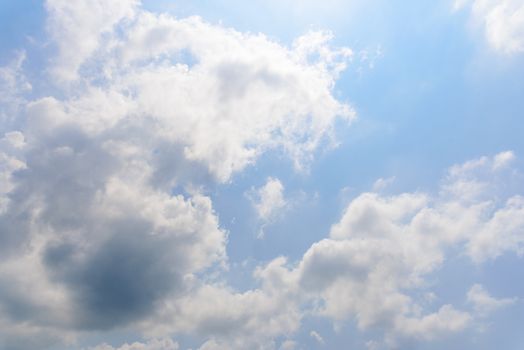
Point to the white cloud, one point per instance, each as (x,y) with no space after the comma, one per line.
(268,201)
(248,320)
(13,86)
(145,103)
(383,247)
(221,96)
(503,159)
(445,320)
(154,344)
(502,21)
(142,103)
(378,256)
(483,303)
(288,345)
(382,183)
(76,28)
(317,337)
(460,4)
(243,95)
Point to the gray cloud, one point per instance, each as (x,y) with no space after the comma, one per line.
(94,233)
(120,280)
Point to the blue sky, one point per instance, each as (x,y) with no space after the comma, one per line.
(261,175)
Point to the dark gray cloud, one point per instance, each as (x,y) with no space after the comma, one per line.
(111,260)
(120,279)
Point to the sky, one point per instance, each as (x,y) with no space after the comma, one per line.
(271,175)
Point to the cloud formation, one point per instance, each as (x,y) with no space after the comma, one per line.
(483,303)
(102,206)
(269,202)
(384,247)
(154,344)
(104,209)
(379,256)
(502,22)
(269,199)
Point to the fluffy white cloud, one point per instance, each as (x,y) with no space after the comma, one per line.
(146,104)
(252,319)
(268,202)
(445,320)
(384,247)
(483,303)
(238,95)
(77,27)
(221,97)
(269,199)
(502,21)
(137,105)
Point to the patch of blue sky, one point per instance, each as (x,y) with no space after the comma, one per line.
(21,22)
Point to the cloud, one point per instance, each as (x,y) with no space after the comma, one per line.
(503,159)
(9,163)
(104,168)
(483,303)
(248,320)
(382,183)
(76,29)
(288,345)
(383,248)
(502,21)
(154,344)
(317,337)
(446,320)
(103,205)
(268,202)
(13,85)
(269,199)
(222,96)
(379,256)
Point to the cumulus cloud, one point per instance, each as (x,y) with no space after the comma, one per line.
(268,201)
(138,108)
(242,320)
(223,97)
(384,247)
(445,320)
(76,29)
(103,208)
(378,257)
(502,21)
(398,239)
(483,303)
